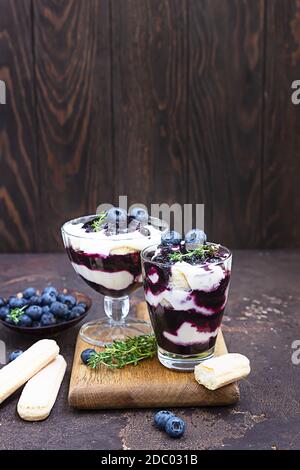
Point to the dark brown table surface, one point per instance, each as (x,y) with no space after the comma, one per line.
(262,321)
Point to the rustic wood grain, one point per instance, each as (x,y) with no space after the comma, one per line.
(18,159)
(149,57)
(144,386)
(225,113)
(281,166)
(74,110)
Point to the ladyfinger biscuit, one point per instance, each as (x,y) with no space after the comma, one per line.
(40,392)
(222,370)
(16,373)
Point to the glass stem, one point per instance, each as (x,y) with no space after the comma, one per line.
(116,308)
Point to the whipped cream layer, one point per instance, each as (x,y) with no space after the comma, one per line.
(183,281)
(110,280)
(188,334)
(101,244)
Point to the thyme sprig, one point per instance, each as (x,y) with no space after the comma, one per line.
(122,353)
(97,223)
(202,251)
(16,313)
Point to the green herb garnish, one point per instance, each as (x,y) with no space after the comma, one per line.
(97,223)
(122,353)
(202,251)
(16,313)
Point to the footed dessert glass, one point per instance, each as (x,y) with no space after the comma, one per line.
(110,265)
(186,303)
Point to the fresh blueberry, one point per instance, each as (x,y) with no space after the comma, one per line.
(86,354)
(29,292)
(34,312)
(116,215)
(49,289)
(25,320)
(2,302)
(83,305)
(161,417)
(48,298)
(139,214)
(14,302)
(47,319)
(14,355)
(46,309)
(35,300)
(61,298)
(9,320)
(196,236)
(175,427)
(171,238)
(70,301)
(78,309)
(36,324)
(73,315)
(4,311)
(59,309)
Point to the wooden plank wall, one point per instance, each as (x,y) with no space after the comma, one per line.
(182,101)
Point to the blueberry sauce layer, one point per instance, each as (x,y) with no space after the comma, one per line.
(113,263)
(113,275)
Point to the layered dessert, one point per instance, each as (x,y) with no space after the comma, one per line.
(186,286)
(104,249)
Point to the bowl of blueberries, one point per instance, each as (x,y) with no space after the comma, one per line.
(45,312)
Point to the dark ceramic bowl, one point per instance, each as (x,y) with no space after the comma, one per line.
(53,329)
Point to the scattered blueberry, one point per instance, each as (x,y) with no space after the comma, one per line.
(2,302)
(161,417)
(29,292)
(49,289)
(171,238)
(24,320)
(14,355)
(47,319)
(59,309)
(196,236)
(139,214)
(86,354)
(34,312)
(35,300)
(4,311)
(175,427)
(70,301)
(48,298)
(46,309)
(116,215)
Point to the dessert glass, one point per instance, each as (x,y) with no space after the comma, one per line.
(111,266)
(186,303)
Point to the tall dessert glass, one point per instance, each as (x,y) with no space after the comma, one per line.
(186,302)
(111,265)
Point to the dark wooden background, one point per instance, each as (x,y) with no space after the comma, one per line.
(183,101)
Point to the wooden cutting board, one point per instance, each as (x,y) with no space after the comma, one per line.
(149,384)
